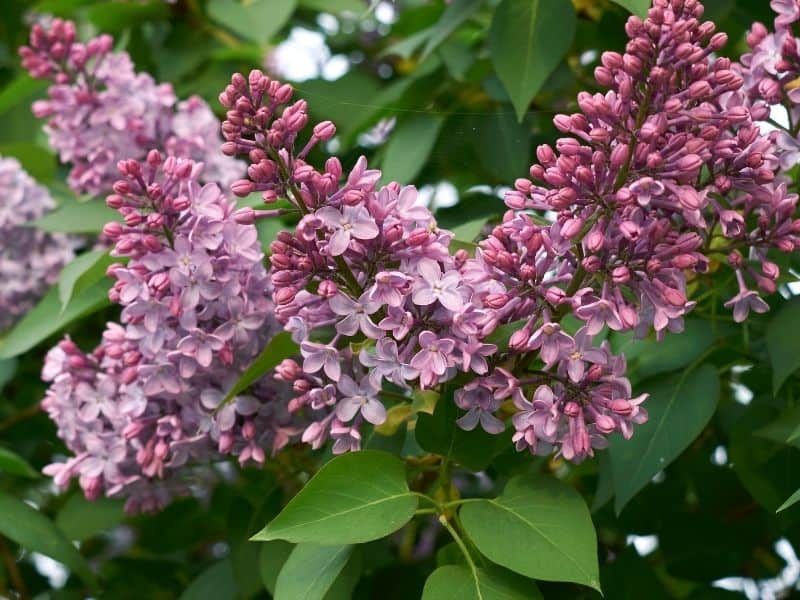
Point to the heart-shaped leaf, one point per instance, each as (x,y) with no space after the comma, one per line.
(355,498)
(539,527)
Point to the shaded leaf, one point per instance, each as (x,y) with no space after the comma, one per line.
(271,559)
(115,17)
(13,464)
(527,40)
(456,582)
(789,501)
(21,88)
(80,519)
(679,408)
(637,7)
(37,161)
(279,347)
(439,433)
(35,532)
(649,357)
(503,145)
(215,582)
(454,15)
(538,527)
(783,332)
(255,20)
(83,272)
(72,216)
(409,146)
(310,571)
(354,498)
(47,318)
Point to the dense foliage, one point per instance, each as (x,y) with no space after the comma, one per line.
(333,299)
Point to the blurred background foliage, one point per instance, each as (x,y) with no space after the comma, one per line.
(426,90)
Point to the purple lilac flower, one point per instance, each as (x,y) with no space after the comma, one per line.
(30,260)
(366,282)
(145,408)
(100,110)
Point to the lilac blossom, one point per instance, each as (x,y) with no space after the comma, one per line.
(366,282)
(100,110)
(146,406)
(30,260)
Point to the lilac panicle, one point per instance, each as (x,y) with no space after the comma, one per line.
(147,402)
(661,174)
(30,260)
(366,282)
(100,110)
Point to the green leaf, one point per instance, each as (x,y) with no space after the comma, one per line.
(13,464)
(334,6)
(35,532)
(271,559)
(409,146)
(355,498)
(72,216)
(80,519)
(47,318)
(783,332)
(37,161)
(350,101)
(527,40)
(650,357)
(789,501)
(115,17)
(21,88)
(345,583)
(502,334)
(455,14)
(456,582)
(254,20)
(467,232)
(785,429)
(679,408)
(310,571)
(215,582)
(279,348)
(637,7)
(8,368)
(83,272)
(439,433)
(503,145)
(406,47)
(539,527)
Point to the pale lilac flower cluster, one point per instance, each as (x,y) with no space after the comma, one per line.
(196,312)
(366,282)
(663,173)
(30,260)
(100,111)
(771,71)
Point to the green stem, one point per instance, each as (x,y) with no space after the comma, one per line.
(462,546)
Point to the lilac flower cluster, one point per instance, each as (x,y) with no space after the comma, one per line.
(365,283)
(664,173)
(196,312)
(100,111)
(771,71)
(30,260)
